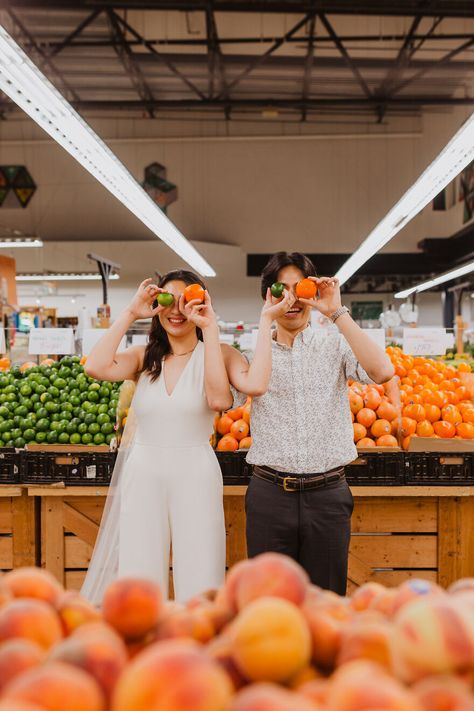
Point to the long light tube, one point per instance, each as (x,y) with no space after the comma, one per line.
(458,153)
(62,277)
(23,82)
(448,276)
(7,244)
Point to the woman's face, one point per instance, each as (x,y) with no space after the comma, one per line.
(171,318)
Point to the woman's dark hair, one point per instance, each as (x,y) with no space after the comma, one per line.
(285,259)
(158,343)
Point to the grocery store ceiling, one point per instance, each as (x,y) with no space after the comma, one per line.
(232,58)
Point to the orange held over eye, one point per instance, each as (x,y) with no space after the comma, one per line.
(306,289)
(194,292)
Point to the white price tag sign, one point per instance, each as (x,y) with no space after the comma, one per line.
(425,341)
(3,347)
(51,341)
(377,335)
(90,336)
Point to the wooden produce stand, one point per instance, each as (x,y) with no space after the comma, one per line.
(18,541)
(397,532)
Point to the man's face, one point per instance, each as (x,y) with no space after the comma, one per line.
(299,314)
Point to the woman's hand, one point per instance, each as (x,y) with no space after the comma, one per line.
(141,305)
(274,308)
(200,313)
(329,295)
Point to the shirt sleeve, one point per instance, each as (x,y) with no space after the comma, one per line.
(352,368)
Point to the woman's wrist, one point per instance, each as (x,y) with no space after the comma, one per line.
(129,315)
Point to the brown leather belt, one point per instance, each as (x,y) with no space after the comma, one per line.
(303,482)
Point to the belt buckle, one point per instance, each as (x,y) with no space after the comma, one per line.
(286,479)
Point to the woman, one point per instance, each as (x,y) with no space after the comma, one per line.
(167,486)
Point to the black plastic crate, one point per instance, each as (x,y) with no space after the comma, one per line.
(9,466)
(439,468)
(376,469)
(234,468)
(75,468)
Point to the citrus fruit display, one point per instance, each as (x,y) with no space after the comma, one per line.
(267,640)
(56,403)
(306,289)
(165,299)
(375,412)
(232,429)
(277,289)
(194,292)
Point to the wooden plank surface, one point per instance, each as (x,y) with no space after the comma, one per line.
(382,515)
(6,552)
(392,551)
(466,539)
(92,508)
(234,511)
(80,525)
(6,516)
(25,545)
(392,578)
(448,540)
(9,490)
(77,553)
(73,579)
(53,537)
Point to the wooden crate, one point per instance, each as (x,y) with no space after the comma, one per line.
(17,528)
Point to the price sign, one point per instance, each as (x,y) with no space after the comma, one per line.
(425,341)
(90,336)
(3,348)
(51,341)
(377,335)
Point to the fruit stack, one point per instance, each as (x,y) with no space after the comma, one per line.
(268,640)
(375,411)
(232,429)
(55,403)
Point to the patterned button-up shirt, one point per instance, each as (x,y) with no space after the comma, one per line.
(303,424)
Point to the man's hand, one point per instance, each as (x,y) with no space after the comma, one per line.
(329,295)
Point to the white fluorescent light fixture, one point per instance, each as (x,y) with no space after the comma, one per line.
(454,157)
(63,277)
(448,276)
(8,243)
(23,82)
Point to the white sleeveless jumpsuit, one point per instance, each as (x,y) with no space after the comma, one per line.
(173,491)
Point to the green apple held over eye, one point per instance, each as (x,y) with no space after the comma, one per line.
(277,289)
(165,299)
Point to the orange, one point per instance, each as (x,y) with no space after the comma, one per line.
(236,413)
(450,413)
(464,368)
(366,417)
(83,360)
(450,372)
(394,425)
(194,292)
(380,427)
(436,398)
(432,413)
(26,366)
(462,392)
(356,403)
(406,441)
(365,442)
(424,429)
(387,411)
(246,413)
(372,399)
(227,444)
(386,441)
(407,426)
(444,429)
(415,412)
(245,443)
(224,424)
(359,431)
(468,414)
(415,398)
(465,430)
(306,289)
(453,397)
(239,429)
(400,370)
(447,385)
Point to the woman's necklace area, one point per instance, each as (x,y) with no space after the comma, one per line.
(178,355)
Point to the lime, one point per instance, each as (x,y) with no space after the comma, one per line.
(77,411)
(60,383)
(52,437)
(63,438)
(19,443)
(26,402)
(51,406)
(28,423)
(16,433)
(75,438)
(29,435)
(4,411)
(99,438)
(3,382)
(40,437)
(2,443)
(71,428)
(104,401)
(107,428)
(112,413)
(82,428)
(104,392)
(93,409)
(83,386)
(21,411)
(103,409)
(65,415)
(55,417)
(6,435)
(74,391)
(89,418)
(54,426)
(62,424)
(10,389)
(65,372)
(35,398)
(86,405)
(102,419)
(53,391)
(10,443)
(26,390)
(42,425)
(45,397)
(94,428)
(86,438)
(67,407)
(94,396)
(42,412)
(94,385)
(40,389)
(56,364)
(109,438)
(165,299)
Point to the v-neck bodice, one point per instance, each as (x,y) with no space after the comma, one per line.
(180,419)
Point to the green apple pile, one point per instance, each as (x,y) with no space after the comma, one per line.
(56,404)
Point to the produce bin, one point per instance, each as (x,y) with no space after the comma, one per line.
(381,468)
(439,468)
(234,468)
(10,466)
(71,466)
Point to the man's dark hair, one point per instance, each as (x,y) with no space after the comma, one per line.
(285,259)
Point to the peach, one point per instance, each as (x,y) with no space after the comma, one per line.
(326,620)
(269,697)
(74,611)
(316,691)
(366,639)
(433,635)
(5,594)
(365,594)
(308,673)
(413,588)
(443,693)
(271,574)
(362,685)
(192,623)
(16,656)
(170,676)
(97,650)
(384,603)
(19,706)
(33,582)
(132,606)
(271,640)
(30,619)
(56,687)
(220,649)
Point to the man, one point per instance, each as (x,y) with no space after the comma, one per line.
(298,501)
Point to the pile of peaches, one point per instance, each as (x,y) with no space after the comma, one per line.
(428,398)
(268,640)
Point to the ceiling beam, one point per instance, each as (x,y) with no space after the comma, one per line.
(69,40)
(345,54)
(308,65)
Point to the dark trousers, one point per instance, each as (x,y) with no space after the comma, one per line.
(312,527)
